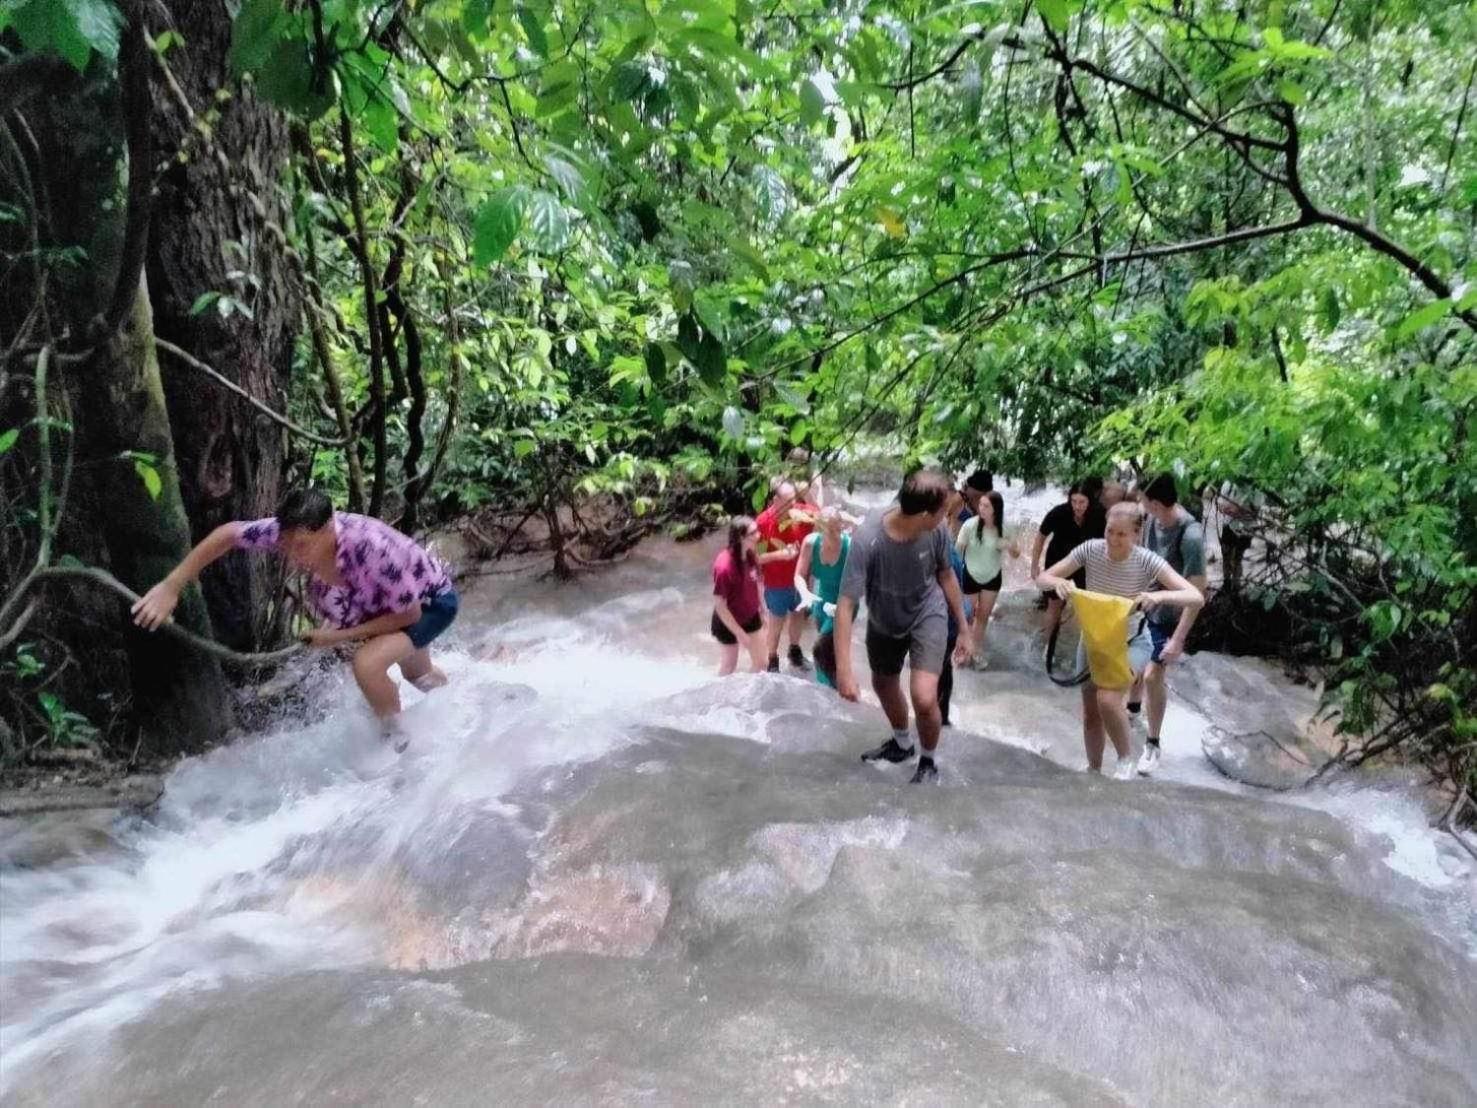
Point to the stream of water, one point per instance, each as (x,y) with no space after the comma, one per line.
(599,875)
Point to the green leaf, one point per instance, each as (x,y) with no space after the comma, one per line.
(750,257)
(682,281)
(812,102)
(733,422)
(1421,319)
(524,447)
(656,364)
(1292,92)
(287,79)
(1328,308)
(711,362)
(567,176)
(258,28)
(792,398)
(150,476)
(475,16)
(689,336)
(772,193)
(548,221)
(203,301)
(1056,13)
(70,28)
(556,98)
(167,41)
(971,93)
(627,80)
(8,437)
(497,224)
(712,311)
(383,124)
(532,28)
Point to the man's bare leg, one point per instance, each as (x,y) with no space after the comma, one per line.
(889,690)
(924,688)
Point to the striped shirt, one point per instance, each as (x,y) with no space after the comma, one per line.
(1139,572)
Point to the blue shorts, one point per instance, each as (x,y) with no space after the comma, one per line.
(436,616)
(781,602)
(1159,635)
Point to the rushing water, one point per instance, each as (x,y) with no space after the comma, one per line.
(601,876)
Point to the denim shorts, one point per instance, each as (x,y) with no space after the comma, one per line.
(436,616)
(782,601)
(1159,635)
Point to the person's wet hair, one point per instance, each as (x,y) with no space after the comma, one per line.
(1090,487)
(997,503)
(1163,490)
(738,529)
(1126,512)
(923,493)
(304,510)
(981,480)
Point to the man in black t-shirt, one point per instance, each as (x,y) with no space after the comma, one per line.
(1067,526)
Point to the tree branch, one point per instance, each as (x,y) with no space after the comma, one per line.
(102,577)
(231,386)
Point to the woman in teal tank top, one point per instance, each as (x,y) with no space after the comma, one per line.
(814,566)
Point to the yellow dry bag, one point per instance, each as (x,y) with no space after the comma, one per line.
(1104,623)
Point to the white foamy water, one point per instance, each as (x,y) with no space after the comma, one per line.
(600,874)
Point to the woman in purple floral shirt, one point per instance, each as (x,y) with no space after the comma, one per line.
(369,584)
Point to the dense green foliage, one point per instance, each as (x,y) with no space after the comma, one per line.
(605,245)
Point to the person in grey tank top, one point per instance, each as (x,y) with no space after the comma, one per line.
(899,563)
(1177,537)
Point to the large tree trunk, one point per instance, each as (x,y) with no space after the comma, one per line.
(178,699)
(230,457)
(181,702)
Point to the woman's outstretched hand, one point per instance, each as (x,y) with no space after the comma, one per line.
(156,606)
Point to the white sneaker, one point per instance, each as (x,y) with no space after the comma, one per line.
(1150,760)
(1124,772)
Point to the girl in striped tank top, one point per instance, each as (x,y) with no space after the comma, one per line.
(1116,566)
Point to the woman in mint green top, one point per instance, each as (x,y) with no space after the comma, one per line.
(823,560)
(982,544)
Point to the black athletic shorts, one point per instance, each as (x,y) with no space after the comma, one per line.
(971,586)
(725,636)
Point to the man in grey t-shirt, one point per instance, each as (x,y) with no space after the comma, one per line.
(1177,537)
(899,563)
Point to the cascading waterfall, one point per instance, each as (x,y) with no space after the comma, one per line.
(600,875)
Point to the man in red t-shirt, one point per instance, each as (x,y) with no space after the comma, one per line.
(782,528)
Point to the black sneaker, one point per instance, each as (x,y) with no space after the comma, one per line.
(774,663)
(889,751)
(797,658)
(925,772)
